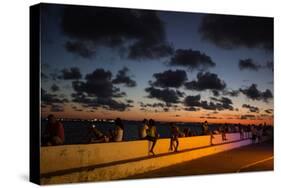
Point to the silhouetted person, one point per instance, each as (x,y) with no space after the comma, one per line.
(152,134)
(254,134)
(143,129)
(205,128)
(223,129)
(96,136)
(54,131)
(241,131)
(187,132)
(175,133)
(117,134)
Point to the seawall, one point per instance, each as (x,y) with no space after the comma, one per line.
(108,161)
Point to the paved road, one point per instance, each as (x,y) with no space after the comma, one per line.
(258,157)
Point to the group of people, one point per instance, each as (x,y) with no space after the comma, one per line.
(114,135)
(54,134)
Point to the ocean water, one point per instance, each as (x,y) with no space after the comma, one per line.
(78,131)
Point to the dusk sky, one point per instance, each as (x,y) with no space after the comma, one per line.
(171,66)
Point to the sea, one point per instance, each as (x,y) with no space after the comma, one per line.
(77,131)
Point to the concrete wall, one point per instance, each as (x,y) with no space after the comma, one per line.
(124,170)
(57,158)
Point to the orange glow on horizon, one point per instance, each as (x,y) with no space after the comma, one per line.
(172,116)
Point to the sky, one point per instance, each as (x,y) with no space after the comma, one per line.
(99,62)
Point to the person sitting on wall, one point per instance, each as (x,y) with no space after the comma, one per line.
(187,132)
(175,133)
(205,128)
(54,131)
(117,134)
(152,134)
(96,136)
(143,129)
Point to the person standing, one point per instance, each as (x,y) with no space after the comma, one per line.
(175,133)
(152,135)
(254,134)
(223,132)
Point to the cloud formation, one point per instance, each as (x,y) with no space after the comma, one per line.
(248,64)
(141,32)
(169,78)
(191,59)
(251,108)
(206,81)
(269,111)
(232,93)
(70,74)
(230,32)
(166,95)
(253,93)
(98,84)
(194,101)
(50,99)
(248,116)
(57,108)
(99,102)
(80,49)
(55,88)
(98,91)
(123,78)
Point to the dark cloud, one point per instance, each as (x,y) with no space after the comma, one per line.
(98,91)
(143,50)
(248,64)
(269,65)
(269,111)
(248,116)
(98,84)
(70,74)
(193,101)
(219,104)
(216,93)
(191,59)
(191,109)
(109,104)
(49,99)
(99,102)
(232,93)
(228,31)
(251,108)
(169,78)
(223,103)
(55,88)
(166,95)
(253,93)
(206,81)
(129,101)
(77,109)
(57,108)
(123,78)
(141,32)
(80,49)
(152,105)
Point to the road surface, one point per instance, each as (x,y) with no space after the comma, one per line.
(257,157)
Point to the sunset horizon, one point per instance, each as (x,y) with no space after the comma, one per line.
(168,66)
